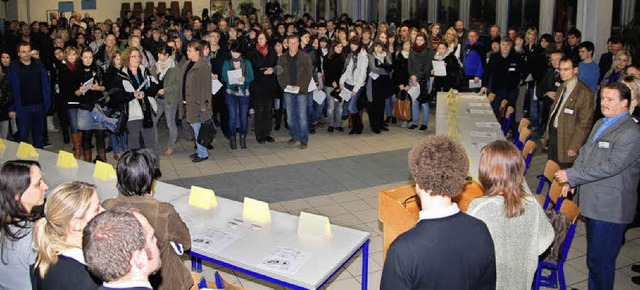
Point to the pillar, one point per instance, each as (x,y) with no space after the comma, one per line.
(547,12)
(594,21)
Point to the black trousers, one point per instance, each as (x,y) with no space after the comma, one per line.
(220,113)
(553,148)
(376,111)
(262,119)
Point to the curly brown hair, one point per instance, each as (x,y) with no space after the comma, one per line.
(439,165)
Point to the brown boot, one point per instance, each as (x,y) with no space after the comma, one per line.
(77,144)
(102,155)
(86,155)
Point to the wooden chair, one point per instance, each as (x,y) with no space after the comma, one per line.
(502,109)
(470,191)
(527,153)
(124,8)
(524,123)
(187,6)
(547,176)
(556,274)
(491,97)
(554,194)
(523,136)
(148,8)
(175,9)
(508,118)
(200,282)
(137,8)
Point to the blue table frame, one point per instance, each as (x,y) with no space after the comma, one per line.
(196,265)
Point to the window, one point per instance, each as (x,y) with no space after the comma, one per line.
(482,15)
(448,13)
(566,15)
(419,9)
(524,13)
(394,11)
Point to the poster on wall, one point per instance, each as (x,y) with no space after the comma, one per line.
(88,4)
(66,6)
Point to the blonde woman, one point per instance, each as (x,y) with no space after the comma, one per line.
(518,226)
(57,237)
(623,59)
(451,38)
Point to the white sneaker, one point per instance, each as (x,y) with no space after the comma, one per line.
(404,124)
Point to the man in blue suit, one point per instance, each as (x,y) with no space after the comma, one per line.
(607,171)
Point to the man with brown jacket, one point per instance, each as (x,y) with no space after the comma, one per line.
(294,80)
(571,116)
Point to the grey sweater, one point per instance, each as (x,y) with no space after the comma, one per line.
(15,260)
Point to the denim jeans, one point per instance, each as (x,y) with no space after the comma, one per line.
(118,142)
(238,107)
(604,240)
(73,119)
(334,109)
(353,102)
(170,111)
(415,112)
(31,118)
(314,110)
(388,106)
(202,151)
(297,116)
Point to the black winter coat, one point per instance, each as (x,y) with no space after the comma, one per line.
(263,85)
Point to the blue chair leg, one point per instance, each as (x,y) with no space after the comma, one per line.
(563,284)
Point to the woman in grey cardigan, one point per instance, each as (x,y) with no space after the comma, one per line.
(170,77)
(518,226)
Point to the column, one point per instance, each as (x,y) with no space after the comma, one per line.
(594,21)
(406,10)
(547,14)
(502,15)
(628,8)
(465,6)
(432,11)
(382,10)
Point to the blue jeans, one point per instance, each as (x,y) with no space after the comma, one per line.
(604,240)
(202,151)
(297,116)
(314,110)
(73,120)
(388,106)
(415,112)
(334,109)
(118,142)
(238,107)
(353,102)
(31,118)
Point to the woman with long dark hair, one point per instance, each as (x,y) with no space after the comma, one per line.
(88,96)
(169,75)
(21,190)
(333,65)
(379,88)
(237,97)
(264,86)
(354,79)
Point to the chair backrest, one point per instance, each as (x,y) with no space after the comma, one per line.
(148,8)
(469,192)
(162,7)
(525,133)
(570,209)
(491,97)
(524,123)
(502,108)
(527,153)
(554,194)
(506,121)
(550,169)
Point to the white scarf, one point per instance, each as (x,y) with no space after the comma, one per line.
(163,67)
(405,54)
(380,56)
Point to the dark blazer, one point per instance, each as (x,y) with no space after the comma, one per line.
(67,273)
(607,172)
(304,69)
(574,119)
(606,60)
(263,85)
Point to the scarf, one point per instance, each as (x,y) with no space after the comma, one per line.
(262,49)
(420,48)
(438,56)
(380,57)
(163,66)
(71,65)
(405,54)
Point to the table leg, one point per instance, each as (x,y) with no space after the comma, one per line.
(199,265)
(365,265)
(193,263)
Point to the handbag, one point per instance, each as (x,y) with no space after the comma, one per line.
(207,133)
(402,108)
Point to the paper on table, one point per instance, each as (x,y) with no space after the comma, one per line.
(480,105)
(346,95)
(216,85)
(284,260)
(481,112)
(234,76)
(373,75)
(291,89)
(213,240)
(319,96)
(439,69)
(312,86)
(473,85)
(472,96)
(484,134)
(487,125)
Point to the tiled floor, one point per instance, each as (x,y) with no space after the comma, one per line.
(338,176)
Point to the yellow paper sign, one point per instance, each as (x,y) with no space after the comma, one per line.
(103,171)
(256,211)
(66,160)
(2,145)
(26,151)
(314,225)
(202,198)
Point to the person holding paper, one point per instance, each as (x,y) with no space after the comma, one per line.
(237,73)
(196,95)
(218,55)
(452,70)
(379,87)
(401,73)
(170,77)
(137,171)
(264,87)
(69,81)
(294,80)
(333,65)
(92,78)
(420,70)
(473,64)
(353,79)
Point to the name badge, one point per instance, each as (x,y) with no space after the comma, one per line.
(557,84)
(568,111)
(603,145)
(512,69)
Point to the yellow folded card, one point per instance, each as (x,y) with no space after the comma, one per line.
(26,151)
(202,198)
(256,211)
(2,145)
(66,160)
(314,225)
(103,171)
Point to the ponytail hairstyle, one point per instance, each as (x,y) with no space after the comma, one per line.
(67,201)
(501,172)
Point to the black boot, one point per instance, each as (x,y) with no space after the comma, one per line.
(357,124)
(243,141)
(66,138)
(232,142)
(278,116)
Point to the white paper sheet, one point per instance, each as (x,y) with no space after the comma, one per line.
(374,76)
(346,95)
(312,86)
(284,260)
(481,112)
(292,89)
(234,76)
(480,105)
(473,85)
(86,86)
(213,240)
(216,85)
(414,92)
(484,134)
(439,69)
(319,96)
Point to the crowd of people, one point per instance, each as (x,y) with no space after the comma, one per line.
(108,84)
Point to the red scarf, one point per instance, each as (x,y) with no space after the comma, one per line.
(262,49)
(420,48)
(71,66)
